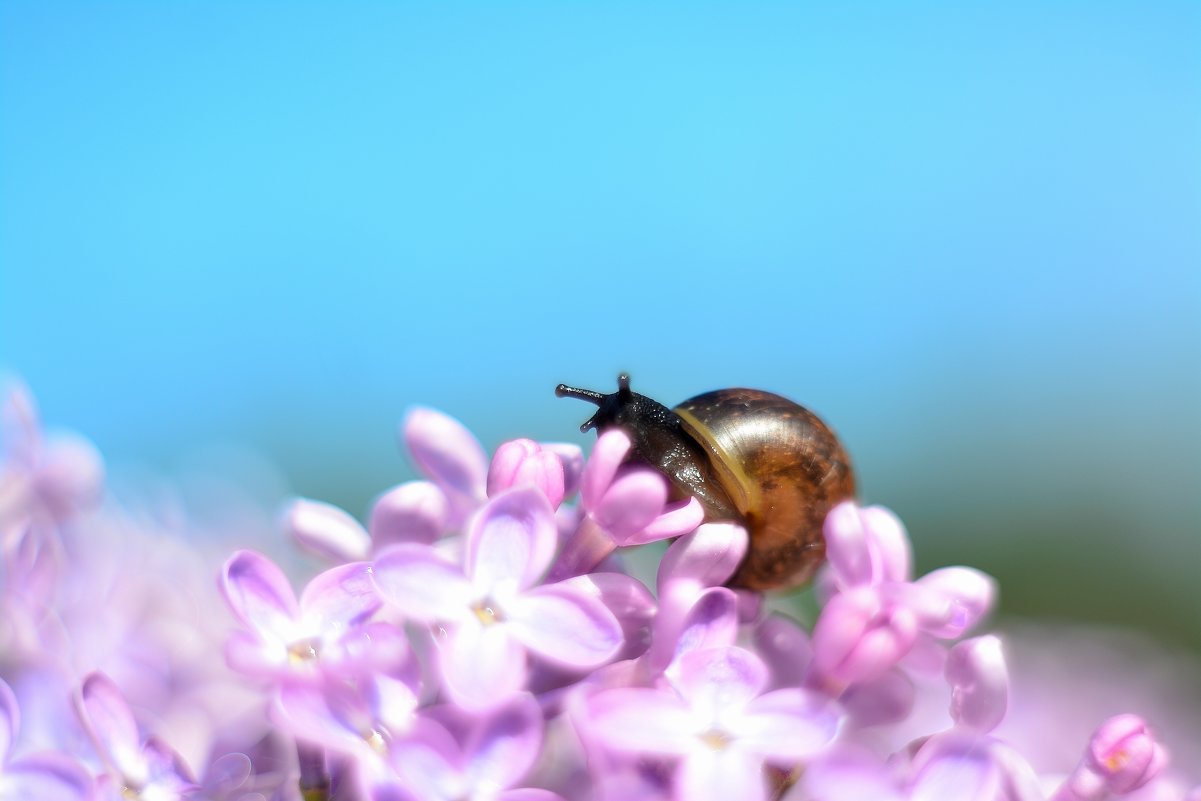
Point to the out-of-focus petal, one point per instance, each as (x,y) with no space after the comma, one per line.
(970,594)
(785,649)
(789,724)
(449,455)
(341,597)
(1124,753)
(564,626)
(720,681)
(106,715)
(848,773)
(955,766)
(572,459)
(429,763)
(416,511)
(10,720)
(511,541)
(858,637)
(630,504)
(71,474)
(885,699)
(529,794)
(846,545)
(711,622)
(891,551)
(45,777)
(505,746)
(326,531)
(720,775)
(606,457)
(483,666)
(422,584)
(979,683)
(259,594)
(637,720)
(168,771)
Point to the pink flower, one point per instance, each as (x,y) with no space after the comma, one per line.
(289,640)
(490,609)
(716,723)
(47,774)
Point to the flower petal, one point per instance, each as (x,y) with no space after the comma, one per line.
(340,598)
(416,511)
(10,720)
(719,682)
(565,626)
(979,683)
(607,455)
(641,720)
(511,541)
(789,724)
(785,649)
(46,776)
(501,751)
(449,455)
(677,520)
(326,531)
(572,460)
(629,601)
(705,558)
(106,716)
(421,583)
(483,666)
(630,504)
(850,773)
(260,595)
(721,775)
(970,594)
(711,622)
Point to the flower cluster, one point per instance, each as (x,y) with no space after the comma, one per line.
(482,638)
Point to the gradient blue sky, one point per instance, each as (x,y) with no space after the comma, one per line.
(968,234)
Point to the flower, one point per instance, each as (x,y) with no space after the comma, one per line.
(490,609)
(716,721)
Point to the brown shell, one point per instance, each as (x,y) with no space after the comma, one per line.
(782,467)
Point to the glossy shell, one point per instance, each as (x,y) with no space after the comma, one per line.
(783,470)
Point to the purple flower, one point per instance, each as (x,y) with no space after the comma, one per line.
(498,751)
(415,511)
(47,775)
(715,722)
(1122,756)
(290,640)
(523,463)
(137,770)
(490,610)
(979,683)
(43,478)
(450,456)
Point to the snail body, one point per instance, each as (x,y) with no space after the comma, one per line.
(746,455)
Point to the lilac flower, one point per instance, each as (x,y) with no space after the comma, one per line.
(136,769)
(523,463)
(623,506)
(357,716)
(716,723)
(491,610)
(47,775)
(415,511)
(46,478)
(498,751)
(1122,756)
(290,640)
(451,457)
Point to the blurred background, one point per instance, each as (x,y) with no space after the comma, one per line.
(968,235)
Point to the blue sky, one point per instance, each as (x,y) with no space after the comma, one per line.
(965,233)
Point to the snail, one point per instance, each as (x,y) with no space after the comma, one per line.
(747,455)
